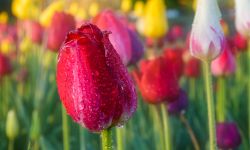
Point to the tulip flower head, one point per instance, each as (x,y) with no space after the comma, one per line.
(93,84)
(242,17)
(120,38)
(154,19)
(179,105)
(34,31)
(5,66)
(61,24)
(240,42)
(225,64)
(207,39)
(12,125)
(228,136)
(156,81)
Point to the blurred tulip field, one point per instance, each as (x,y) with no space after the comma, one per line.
(124,75)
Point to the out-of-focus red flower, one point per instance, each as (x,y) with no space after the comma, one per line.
(228,136)
(175,33)
(225,64)
(120,39)
(61,24)
(192,65)
(34,31)
(93,84)
(174,56)
(240,42)
(179,105)
(156,81)
(152,42)
(5,65)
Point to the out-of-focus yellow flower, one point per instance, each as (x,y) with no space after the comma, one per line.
(6,46)
(77,11)
(138,8)
(194,4)
(25,9)
(4,17)
(47,14)
(126,5)
(155,20)
(12,125)
(94,9)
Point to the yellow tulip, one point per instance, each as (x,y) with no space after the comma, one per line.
(194,4)
(94,9)
(77,11)
(126,5)
(155,20)
(138,8)
(6,46)
(47,14)
(25,9)
(3,17)
(12,125)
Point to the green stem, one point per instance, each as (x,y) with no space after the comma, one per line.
(11,145)
(157,126)
(221,105)
(210,106)
(119,138)
(192,88)
(82,139)
(166,127)
(106,136)
(66,145)
(249,91)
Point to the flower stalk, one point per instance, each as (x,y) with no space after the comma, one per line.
(106,136)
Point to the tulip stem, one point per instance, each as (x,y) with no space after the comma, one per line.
(249,90)
(192,88)
(221,108)
(11,145)
(190,131)
(210,106)
(106,136)
(82,140)
(166,127)
(119,138)
(65,131)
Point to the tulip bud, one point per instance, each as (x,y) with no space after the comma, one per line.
(242,17)
(175,33)
(126,5)
(179,105)
(228,136)
(3,18)
(94,9)
(174,56)
(5,66)
(34,31)
(61,24)
(137,47)
(138,8)
(192,66)
(120,38)
(93,84)
(225,64)
(155,20)
(207,39)
(157,81)
(240,42)
(46,16)
(12,125)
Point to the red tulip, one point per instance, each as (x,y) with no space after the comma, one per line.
(93,84)
(192,66)
(34,31)
(175,33)
(240,42)
(5,66)
(228,136)
(120,39)
(174,55)
(61,24)
(157,81)
(225,64)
